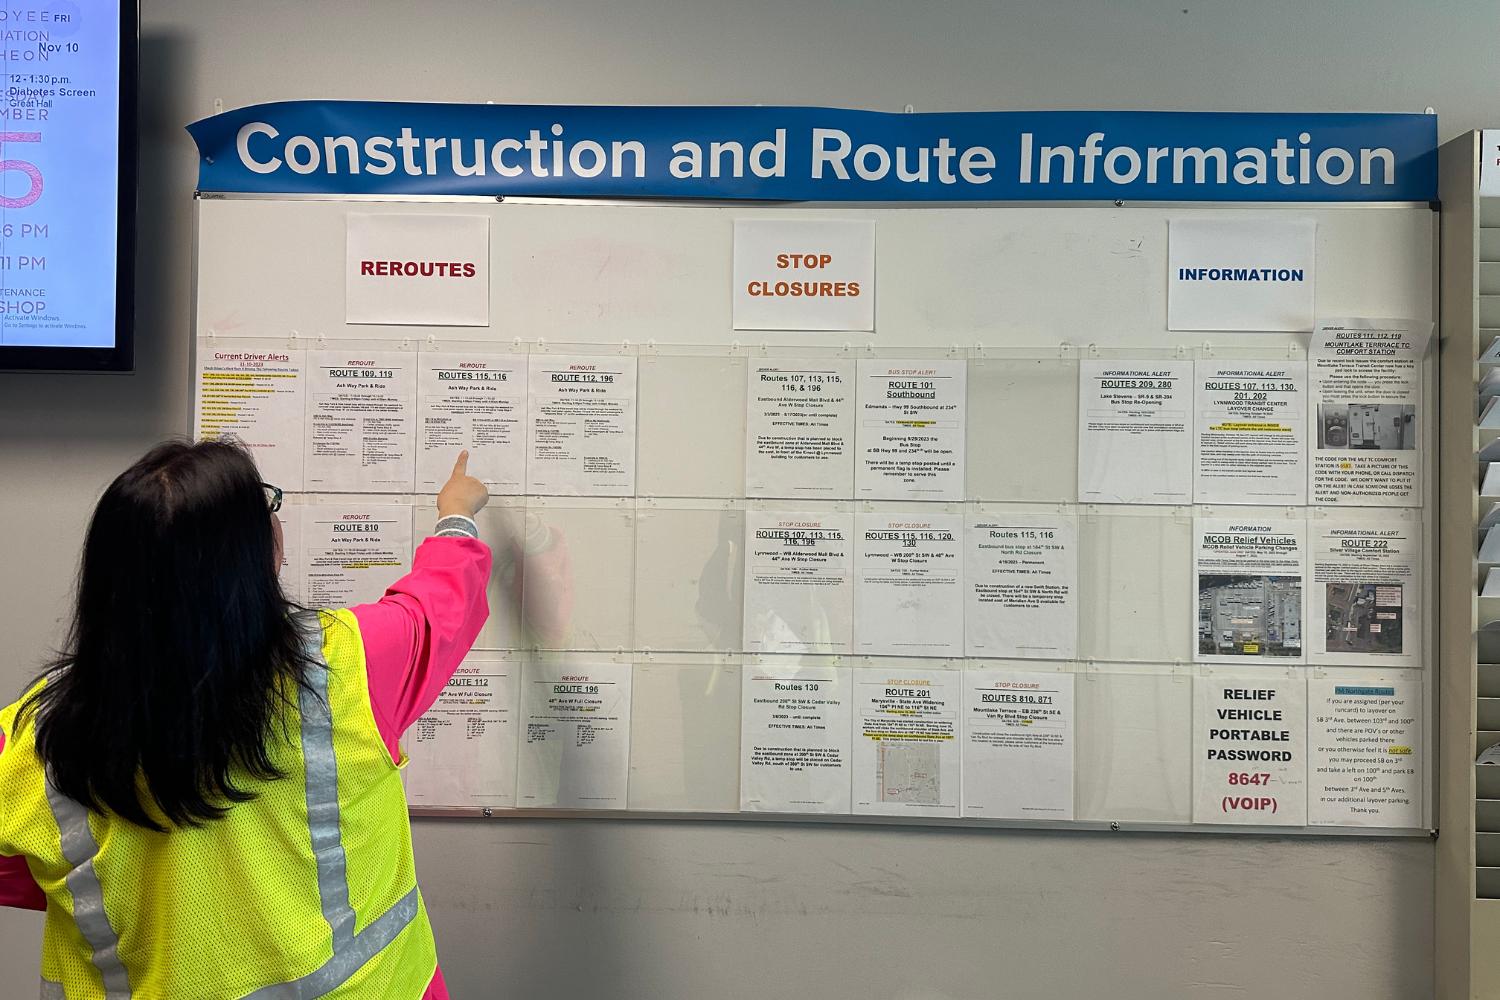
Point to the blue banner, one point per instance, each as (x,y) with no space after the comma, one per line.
(815,154)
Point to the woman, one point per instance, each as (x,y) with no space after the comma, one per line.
(203,791)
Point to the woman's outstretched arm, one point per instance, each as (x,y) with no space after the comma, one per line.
(419,632)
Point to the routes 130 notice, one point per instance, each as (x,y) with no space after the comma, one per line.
(794,738)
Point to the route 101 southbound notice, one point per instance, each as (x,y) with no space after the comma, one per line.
(911,430)
(1366,382)
(1250,737)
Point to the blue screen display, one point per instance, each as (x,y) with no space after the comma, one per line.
(59,164)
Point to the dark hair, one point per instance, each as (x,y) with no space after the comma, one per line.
(182,652)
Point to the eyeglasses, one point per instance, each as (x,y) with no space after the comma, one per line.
(273,496)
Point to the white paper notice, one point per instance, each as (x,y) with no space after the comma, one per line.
(1251,433)
(419,270)
(256,397)
(1021,586)
(908,577)
(1365,755)
(575,736)
(463,751)
(1366,593)
(1240,274)
(581,440)
(794,738)
(293,571)
(1018,744)
(906,741)
(1365,376)
(799,431)
(1250,737)
(473,401)
(912,420)
(354,552)
(1134,444)
(361,426)
(798,589)
(1247,574)
(804,275)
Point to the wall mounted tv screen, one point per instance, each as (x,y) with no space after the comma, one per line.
(67,184)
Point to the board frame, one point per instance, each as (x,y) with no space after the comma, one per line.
(1063,350)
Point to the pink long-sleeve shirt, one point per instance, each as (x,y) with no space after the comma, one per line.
(414,637)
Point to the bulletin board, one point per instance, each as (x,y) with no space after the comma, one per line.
(1022,297)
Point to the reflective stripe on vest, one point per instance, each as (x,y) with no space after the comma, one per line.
(79,847)
(350,951)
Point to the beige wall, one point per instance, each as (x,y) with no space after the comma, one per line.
(699,911)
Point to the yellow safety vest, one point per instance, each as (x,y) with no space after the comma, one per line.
(309,890)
